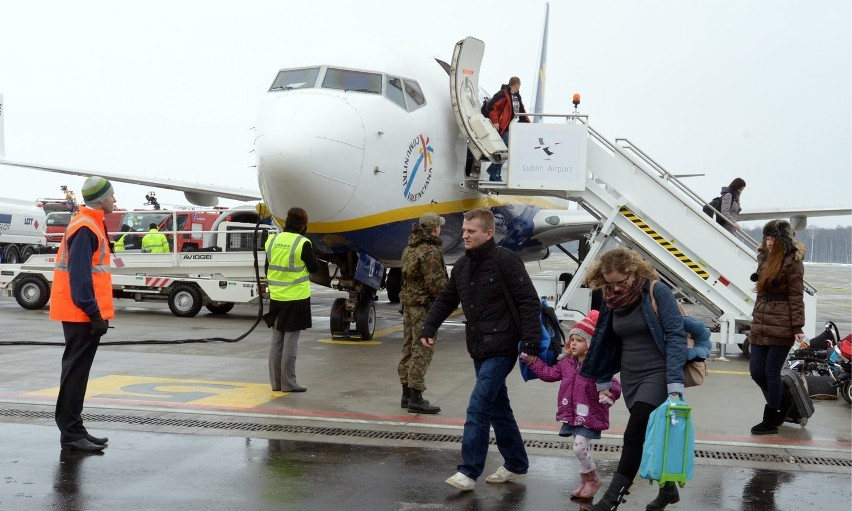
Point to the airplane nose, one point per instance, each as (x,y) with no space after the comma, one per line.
(310,150)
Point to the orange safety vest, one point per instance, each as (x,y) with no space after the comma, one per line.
(62,307)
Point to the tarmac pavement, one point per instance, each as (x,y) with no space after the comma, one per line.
(196,426)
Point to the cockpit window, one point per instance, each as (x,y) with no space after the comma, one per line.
(356,81)
(296,79)
(413,94)
(394,91)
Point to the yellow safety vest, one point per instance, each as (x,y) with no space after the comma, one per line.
(155,242)
(287,275)
(119,243)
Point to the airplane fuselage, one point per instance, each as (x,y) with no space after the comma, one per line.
(366,163)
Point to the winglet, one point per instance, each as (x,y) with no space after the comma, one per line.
(538,104)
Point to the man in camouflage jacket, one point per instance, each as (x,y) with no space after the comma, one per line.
(423,276)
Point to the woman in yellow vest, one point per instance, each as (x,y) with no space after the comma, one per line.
(81,298)
(289,259)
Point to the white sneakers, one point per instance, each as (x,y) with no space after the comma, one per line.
(461,482)
(464,483)
(503,476)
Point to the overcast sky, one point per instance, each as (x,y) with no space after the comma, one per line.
(758,89)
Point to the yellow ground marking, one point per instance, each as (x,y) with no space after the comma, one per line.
(666,244)
(717,371)
(231,394)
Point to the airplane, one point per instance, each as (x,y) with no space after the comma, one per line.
(366,138)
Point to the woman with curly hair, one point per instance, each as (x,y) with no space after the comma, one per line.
(647,347)
(778,316)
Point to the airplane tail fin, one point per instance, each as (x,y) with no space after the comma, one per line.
(2,135)
(538,104)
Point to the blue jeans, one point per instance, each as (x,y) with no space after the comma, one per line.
(765,364)
(489,406)
(495,168)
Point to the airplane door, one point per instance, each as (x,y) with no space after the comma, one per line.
(483,140)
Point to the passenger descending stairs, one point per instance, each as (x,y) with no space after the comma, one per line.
(643,206)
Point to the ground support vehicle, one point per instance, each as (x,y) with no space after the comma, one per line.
(216,277)
(186,294)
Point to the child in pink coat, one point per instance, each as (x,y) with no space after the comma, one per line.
(579,408)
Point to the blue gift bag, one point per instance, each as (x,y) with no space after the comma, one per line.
(669,450)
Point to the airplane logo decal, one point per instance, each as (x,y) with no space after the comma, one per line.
(421,171)
(546,147)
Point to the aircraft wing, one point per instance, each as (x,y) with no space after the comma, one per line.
(196,193)
(556,226)
(770,213)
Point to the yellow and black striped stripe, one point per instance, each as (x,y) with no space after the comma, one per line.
(666,244)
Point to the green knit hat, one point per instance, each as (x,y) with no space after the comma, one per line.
(96,189)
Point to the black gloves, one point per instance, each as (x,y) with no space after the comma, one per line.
(99,326)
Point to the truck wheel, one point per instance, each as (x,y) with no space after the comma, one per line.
(338,323)
(220,307)
(32,293)
(394,284)
(365,319)
(11,255)
(28,251)
(185,301)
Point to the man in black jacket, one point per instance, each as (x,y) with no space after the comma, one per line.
(481,281)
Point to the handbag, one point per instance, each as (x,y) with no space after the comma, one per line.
(668,454)
(693,371)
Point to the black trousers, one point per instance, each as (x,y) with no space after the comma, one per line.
(80,349)
(634,439)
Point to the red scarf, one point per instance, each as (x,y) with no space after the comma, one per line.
(626,299)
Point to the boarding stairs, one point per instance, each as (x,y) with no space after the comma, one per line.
(641,205)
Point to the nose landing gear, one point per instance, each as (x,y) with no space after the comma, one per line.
(359,309)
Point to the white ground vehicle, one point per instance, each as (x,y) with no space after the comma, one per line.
(188,281)
(21,230)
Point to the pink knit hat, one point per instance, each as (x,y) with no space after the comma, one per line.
(585,328)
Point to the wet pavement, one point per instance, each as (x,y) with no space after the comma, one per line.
(196,426)
(145,471)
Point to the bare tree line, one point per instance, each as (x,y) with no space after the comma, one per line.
(823,245)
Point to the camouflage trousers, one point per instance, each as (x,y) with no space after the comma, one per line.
(415,357)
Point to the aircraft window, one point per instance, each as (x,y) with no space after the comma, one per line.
(394,91)
(295,79)
(357,81)
(413,93)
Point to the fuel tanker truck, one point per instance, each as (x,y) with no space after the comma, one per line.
(21,230)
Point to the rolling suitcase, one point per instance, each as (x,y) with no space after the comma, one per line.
(796,403)
(669,450)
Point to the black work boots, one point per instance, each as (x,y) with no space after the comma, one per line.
(416,403)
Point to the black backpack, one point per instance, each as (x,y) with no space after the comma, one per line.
(715,203)
(484,108)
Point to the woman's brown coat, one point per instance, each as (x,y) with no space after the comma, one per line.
(779,312)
